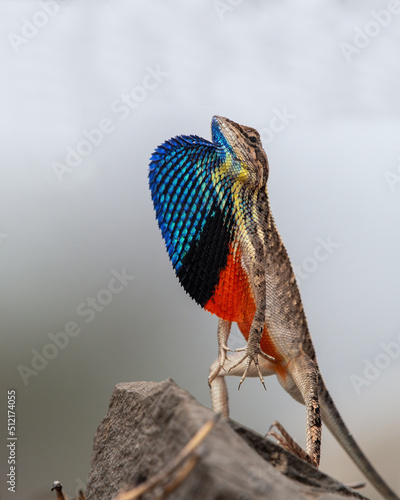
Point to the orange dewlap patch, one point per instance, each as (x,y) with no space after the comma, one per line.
(232,295)
(232,300)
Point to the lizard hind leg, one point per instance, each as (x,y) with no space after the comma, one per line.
(224,329)
(288,443)
(301,382)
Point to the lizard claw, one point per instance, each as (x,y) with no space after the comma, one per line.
(257,365)
(225,348)
(260,352)
(251,354)
(221,361)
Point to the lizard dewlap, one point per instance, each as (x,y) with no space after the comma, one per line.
(189,212)
(199,190)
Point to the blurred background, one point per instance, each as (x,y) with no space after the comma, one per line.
(88,296)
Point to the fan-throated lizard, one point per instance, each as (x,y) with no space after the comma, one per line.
(212,207)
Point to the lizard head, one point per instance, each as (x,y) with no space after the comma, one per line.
(242,144)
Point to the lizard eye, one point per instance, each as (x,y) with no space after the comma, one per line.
(253,139)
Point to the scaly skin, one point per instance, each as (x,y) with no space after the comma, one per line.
(212,207)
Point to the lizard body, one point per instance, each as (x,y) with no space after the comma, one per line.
(211,203)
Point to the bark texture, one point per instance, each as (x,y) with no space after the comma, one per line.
(147,425)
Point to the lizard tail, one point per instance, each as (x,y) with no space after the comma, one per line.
(332,419)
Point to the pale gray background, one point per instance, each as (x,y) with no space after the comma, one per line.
(61,240)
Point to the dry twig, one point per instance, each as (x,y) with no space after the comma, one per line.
(58,487)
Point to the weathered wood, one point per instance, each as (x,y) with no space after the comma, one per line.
(148,423)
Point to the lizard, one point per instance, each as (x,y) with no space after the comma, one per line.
(212,207)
